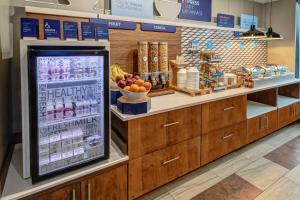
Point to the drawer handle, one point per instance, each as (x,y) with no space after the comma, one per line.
(229,108)
(171,124)
(227,136)
(73,194)
(171,160)
(89,191)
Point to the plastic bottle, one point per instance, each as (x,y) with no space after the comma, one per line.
(50,111)
(68,108)
(79,107)
(181,78)
(86,105)
(94,105)
(59,109)
(193,78)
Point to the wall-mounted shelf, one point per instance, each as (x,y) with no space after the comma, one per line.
(156,20)
(255,109)
(283,101)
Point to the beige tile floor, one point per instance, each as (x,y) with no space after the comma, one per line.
(275,181)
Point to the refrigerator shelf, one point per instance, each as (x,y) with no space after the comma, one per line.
(45,124)
(69,81)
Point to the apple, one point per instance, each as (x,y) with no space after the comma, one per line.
(126,76)
(122,84)
(119,78)
(137,77)
(129,81)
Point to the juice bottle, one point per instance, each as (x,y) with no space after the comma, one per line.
(50,111)
(68,108)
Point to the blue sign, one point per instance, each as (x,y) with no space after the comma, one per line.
(87,30)
(224,20)
(29,28)
(51,28)
(115,24)
(132,8)
(237,34)
(158,28)
(70,30)
(199,10)
(248,20)
(101,31)
(209,44)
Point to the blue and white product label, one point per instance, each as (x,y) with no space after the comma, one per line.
(101,32)
(51,28)
(248,20)
(224,20)
(29,28)
(70,30)
(115,24)
(88,30)
(254,45)
(132,8)
(199,10)
(237,34)
(158,28)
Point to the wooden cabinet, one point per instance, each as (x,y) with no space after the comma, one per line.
(149,134)
(65,192)
(155,169)
(288,114)
(223,113)
(221,142)
(261,126)
(108,186)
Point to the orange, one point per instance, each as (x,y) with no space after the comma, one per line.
(142,89)
(147,85)
(134,88)
(139,82)
(127,88)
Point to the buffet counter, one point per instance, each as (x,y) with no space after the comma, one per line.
(179,100)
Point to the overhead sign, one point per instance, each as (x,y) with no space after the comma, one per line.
(70,30)
(51,28)
(199,10)
(88,31)
(158,28)
(29,28)
(115,24)
(132,8)
(248,20)
(101,31)
(224,20)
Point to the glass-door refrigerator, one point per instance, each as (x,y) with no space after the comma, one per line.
(68,108)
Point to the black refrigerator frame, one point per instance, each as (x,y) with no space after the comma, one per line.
(40,51)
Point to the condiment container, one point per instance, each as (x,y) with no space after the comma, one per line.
(163,57)
(143,57)
(193,79)
(230,79)
(153,56)
(181,78)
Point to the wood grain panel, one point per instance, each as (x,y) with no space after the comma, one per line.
(153,170)
(268,97)
(223,113)
(290,91)
(221,142)
(61,18)
(124,45)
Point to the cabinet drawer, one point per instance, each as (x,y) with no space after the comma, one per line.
(223,113)
(149,134)
(153,170)
(221,142)
(261,126)
(287,115)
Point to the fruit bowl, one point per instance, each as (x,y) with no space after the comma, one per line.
(133,96)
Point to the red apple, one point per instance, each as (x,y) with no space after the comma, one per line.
(126,76)
(119,78)
(122,84)
(129,81)
(137,77)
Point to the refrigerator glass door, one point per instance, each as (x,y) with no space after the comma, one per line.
(71,112)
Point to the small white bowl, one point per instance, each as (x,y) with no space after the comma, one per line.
(133,96)
(169,9)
